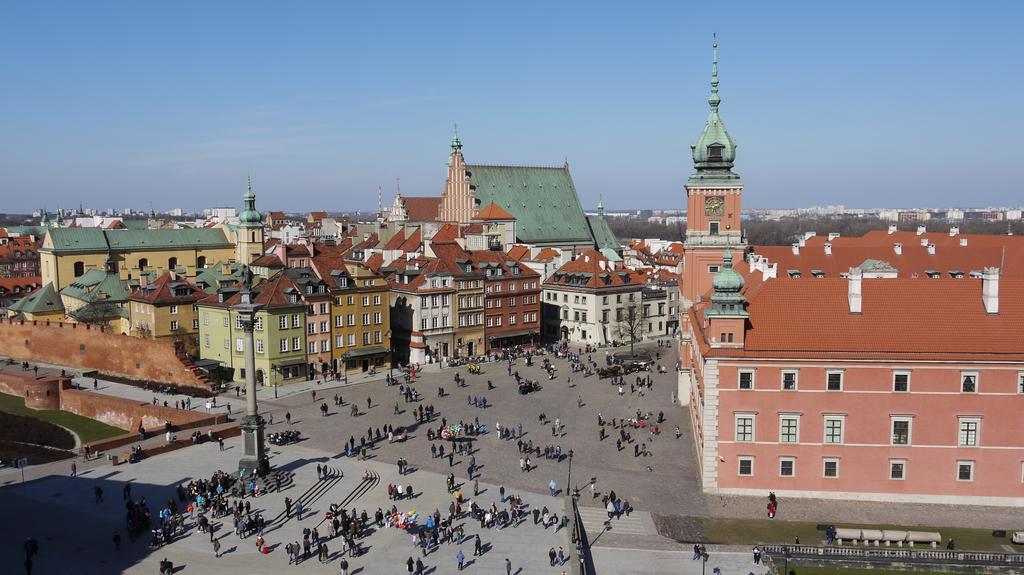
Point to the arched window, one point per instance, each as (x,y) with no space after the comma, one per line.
(201,262)
(143,263)
(172,263)
(79,268)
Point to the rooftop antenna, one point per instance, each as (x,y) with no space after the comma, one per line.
(380,201)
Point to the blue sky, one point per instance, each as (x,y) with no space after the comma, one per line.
(119,104)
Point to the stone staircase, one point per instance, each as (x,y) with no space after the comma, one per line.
(638,522)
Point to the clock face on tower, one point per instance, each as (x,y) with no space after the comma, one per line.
(714,205)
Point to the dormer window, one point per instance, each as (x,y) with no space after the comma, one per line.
(293,298)
(715,151)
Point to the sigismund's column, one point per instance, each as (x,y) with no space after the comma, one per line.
(254,457)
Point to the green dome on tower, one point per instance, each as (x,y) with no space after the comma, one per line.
(727,280)
(250,218)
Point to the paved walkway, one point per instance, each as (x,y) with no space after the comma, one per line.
(75,532)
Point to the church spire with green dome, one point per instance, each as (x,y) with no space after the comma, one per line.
(715,150)
(727,297)
(250,218)
(456,142)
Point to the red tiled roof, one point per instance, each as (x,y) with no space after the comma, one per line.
(493,211)
(161,290)
(546,255)
(421,209)
(272,293)
(900,318)
(914,258)
(375,262)
(519,253)
(446,234)
(413,243)
(595,271)
(269,260)
(23,286)
(396,240)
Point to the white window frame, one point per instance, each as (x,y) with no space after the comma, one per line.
(903,469)
(239,345)
(842,429)
(909,420)
(829,374)
(282,322)
(796,379)
(259,346)
(739,465)
(787,459)
(964,375)
(897,373)
(174,325)
(1020,382)
(296,320)
(970,464)
(174,310)
(296,344)
(753,427)
(784,417)
(960,421)
(258,323)
(739,379)
(824,465)
(284,344)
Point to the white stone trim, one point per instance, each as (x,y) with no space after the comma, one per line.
(709,471)
(1017,502)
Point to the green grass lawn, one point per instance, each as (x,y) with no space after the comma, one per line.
(797,570)
(87,429)
(751,531)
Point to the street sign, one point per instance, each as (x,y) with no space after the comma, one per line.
(21,463)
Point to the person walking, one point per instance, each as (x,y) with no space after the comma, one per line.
(409,565)
(757,555)
(477,547)
(216,548)
(343,566)
(461,559)
(508,566)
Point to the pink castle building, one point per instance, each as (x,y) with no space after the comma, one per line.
(888,367)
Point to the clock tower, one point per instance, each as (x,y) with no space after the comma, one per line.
(714,196)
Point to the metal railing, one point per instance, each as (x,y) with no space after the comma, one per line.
(945,556)
(583,563)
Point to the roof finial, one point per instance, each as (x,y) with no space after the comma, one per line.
(714,99)
(600,204)
(456,142)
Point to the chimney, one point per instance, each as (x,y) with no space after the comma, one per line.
(898,248)
(803,241)
(924,242)
(892,229)
(990,290)
(828,249)
(854,290)
(954,231)
(963,241)
(921,230)
(833,235)
(931,249)
(144,279)
(796,249)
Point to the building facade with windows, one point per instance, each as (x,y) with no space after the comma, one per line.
(164,307)
(511,300)
(587,301)
(279,332)
(317,297)
(885,389)
(423,309)
(360,322)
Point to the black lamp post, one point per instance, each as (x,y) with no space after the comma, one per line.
(568,479)
(786,555)
(704,564)
(344,357)
(391,349)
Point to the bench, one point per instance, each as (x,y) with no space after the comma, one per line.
(887,537)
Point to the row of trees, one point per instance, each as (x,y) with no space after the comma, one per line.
(787,230)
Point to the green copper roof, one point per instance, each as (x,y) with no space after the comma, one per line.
(43,300)
(26,230)
(212,276)
(96,285)
(604,238)
(715,151)
(250,218)
(727,298)
(95,239)
(543,201)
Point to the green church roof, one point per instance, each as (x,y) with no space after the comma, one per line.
(604,237)
(715,150)
(43,300)
(95,239)
(543,201)
(96,285)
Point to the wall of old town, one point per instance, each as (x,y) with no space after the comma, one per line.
(88,347)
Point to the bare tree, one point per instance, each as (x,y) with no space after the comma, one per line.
(630,324)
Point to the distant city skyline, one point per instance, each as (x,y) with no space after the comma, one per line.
(123,105)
